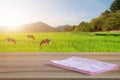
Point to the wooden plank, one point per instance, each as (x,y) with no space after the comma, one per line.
(29,66)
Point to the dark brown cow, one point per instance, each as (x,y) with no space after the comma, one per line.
(45,41)
(11,40)
(31,37)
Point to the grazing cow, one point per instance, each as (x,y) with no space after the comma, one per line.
(11,40)
(31,37)
(44,41)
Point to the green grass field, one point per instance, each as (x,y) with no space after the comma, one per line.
(62,42)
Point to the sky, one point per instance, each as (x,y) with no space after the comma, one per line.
(52,12)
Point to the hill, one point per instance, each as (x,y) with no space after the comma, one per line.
(61,27)
(36,27)
(32,27)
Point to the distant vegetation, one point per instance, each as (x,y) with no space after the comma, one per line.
(61,27)
(107,21)
(61,42)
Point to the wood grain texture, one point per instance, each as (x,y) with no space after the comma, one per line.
(34,66)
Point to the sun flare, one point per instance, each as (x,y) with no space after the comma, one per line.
(11,26)
(10,23)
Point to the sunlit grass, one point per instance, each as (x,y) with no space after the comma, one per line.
(62,42)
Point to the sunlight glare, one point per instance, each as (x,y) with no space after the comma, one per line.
(11,25)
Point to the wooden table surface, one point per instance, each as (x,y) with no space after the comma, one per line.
(34,66)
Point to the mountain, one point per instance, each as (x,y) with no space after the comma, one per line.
(61,27)
(32,27)
(36,27)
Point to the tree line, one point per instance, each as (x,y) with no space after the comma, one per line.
(107,21)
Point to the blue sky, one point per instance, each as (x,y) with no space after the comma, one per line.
(52,12)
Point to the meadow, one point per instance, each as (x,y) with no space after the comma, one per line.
(62,42)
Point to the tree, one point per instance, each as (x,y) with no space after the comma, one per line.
(83,26)
(96,24)
(115,6)
(112,23)
(79,27)
(69,28)
(108,20)
(106,13)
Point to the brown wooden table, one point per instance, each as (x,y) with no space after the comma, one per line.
(34,66)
